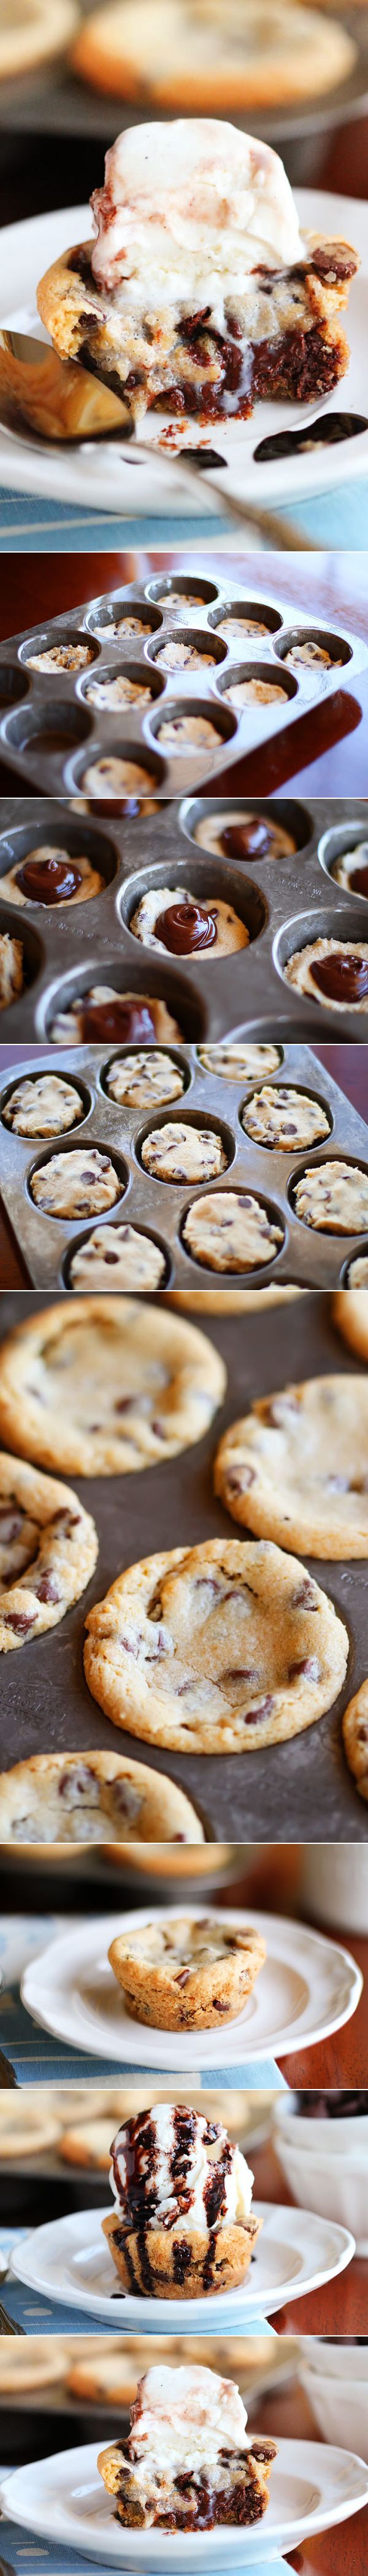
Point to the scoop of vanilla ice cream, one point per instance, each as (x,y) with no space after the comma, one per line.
(183,2418)
(161,2165)
(186,213)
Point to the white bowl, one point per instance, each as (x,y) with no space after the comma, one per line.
(340,2405)
(330,2188)
(342,2360)
(322,2137)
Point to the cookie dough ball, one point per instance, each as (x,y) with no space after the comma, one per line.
(105,1013)
(357,1275)
(240,1063)
(118,691)
(225,1647)
(93,1798)
(355,1738)
(254,692)
(351,869)
(136,1081)
(171,919)
(233,834)
(80,1184)
(333,972)
(312,656)
(51,875)
(180,599)
(61,657)
(183,1153)
(176,655)
(130,624)
(333,1197)
(350,1313)
(296,1467)
(188,733)
(285,1119)
(114,776)
(106,1386)
(11,970)
(118,1256)
(231,1231)
(44,1104)
(234,626)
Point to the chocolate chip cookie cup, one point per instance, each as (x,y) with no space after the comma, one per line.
(182,2225)
(187,2463)
(186,1975)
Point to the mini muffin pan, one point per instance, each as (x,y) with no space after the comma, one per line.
(301,1791)
(283,902)
(158,1208)
(50,733)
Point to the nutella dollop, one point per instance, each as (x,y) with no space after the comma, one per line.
(51,880)
(185,926)
(251,840)
(344,979)
(118,1019)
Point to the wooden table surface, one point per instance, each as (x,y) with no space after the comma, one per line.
(343,2551)
(325,752)
(340,2307)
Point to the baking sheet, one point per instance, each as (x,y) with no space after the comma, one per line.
(306,1258)
(33,705)
(284,902)
(301,1791)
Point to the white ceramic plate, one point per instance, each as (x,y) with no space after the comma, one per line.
(107,477)
(312,2487)
(306,1989)
(70,2260)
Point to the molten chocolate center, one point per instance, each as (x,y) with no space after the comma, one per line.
(49,880)
(118,1018)
(251,840)
(185,927)
(344,979)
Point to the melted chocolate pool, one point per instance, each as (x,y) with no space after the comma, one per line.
(251,840)
(343,979)
(118,1018)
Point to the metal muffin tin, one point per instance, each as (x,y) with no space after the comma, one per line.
(301,1791)
(284,902)
(37,705)
(158,1208)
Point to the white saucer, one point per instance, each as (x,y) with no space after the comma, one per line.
(312,2487)
(109,477)
(70,2260)
(307,1989)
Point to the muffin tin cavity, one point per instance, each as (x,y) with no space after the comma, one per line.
(340,844)
(215,815)
(144,1236)
(271,1084)
(199,639)
(255,1272)
(63,1149)
(257,714)
(41,745)
(78,839)
(13,685)
(319,1161)
(83,1098)
(146,977)
(242,994)
(14,926)
(104,617)
(202,879)
(337,646)
(257,612)
(203,1124)
(157,1209)
(104,677)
